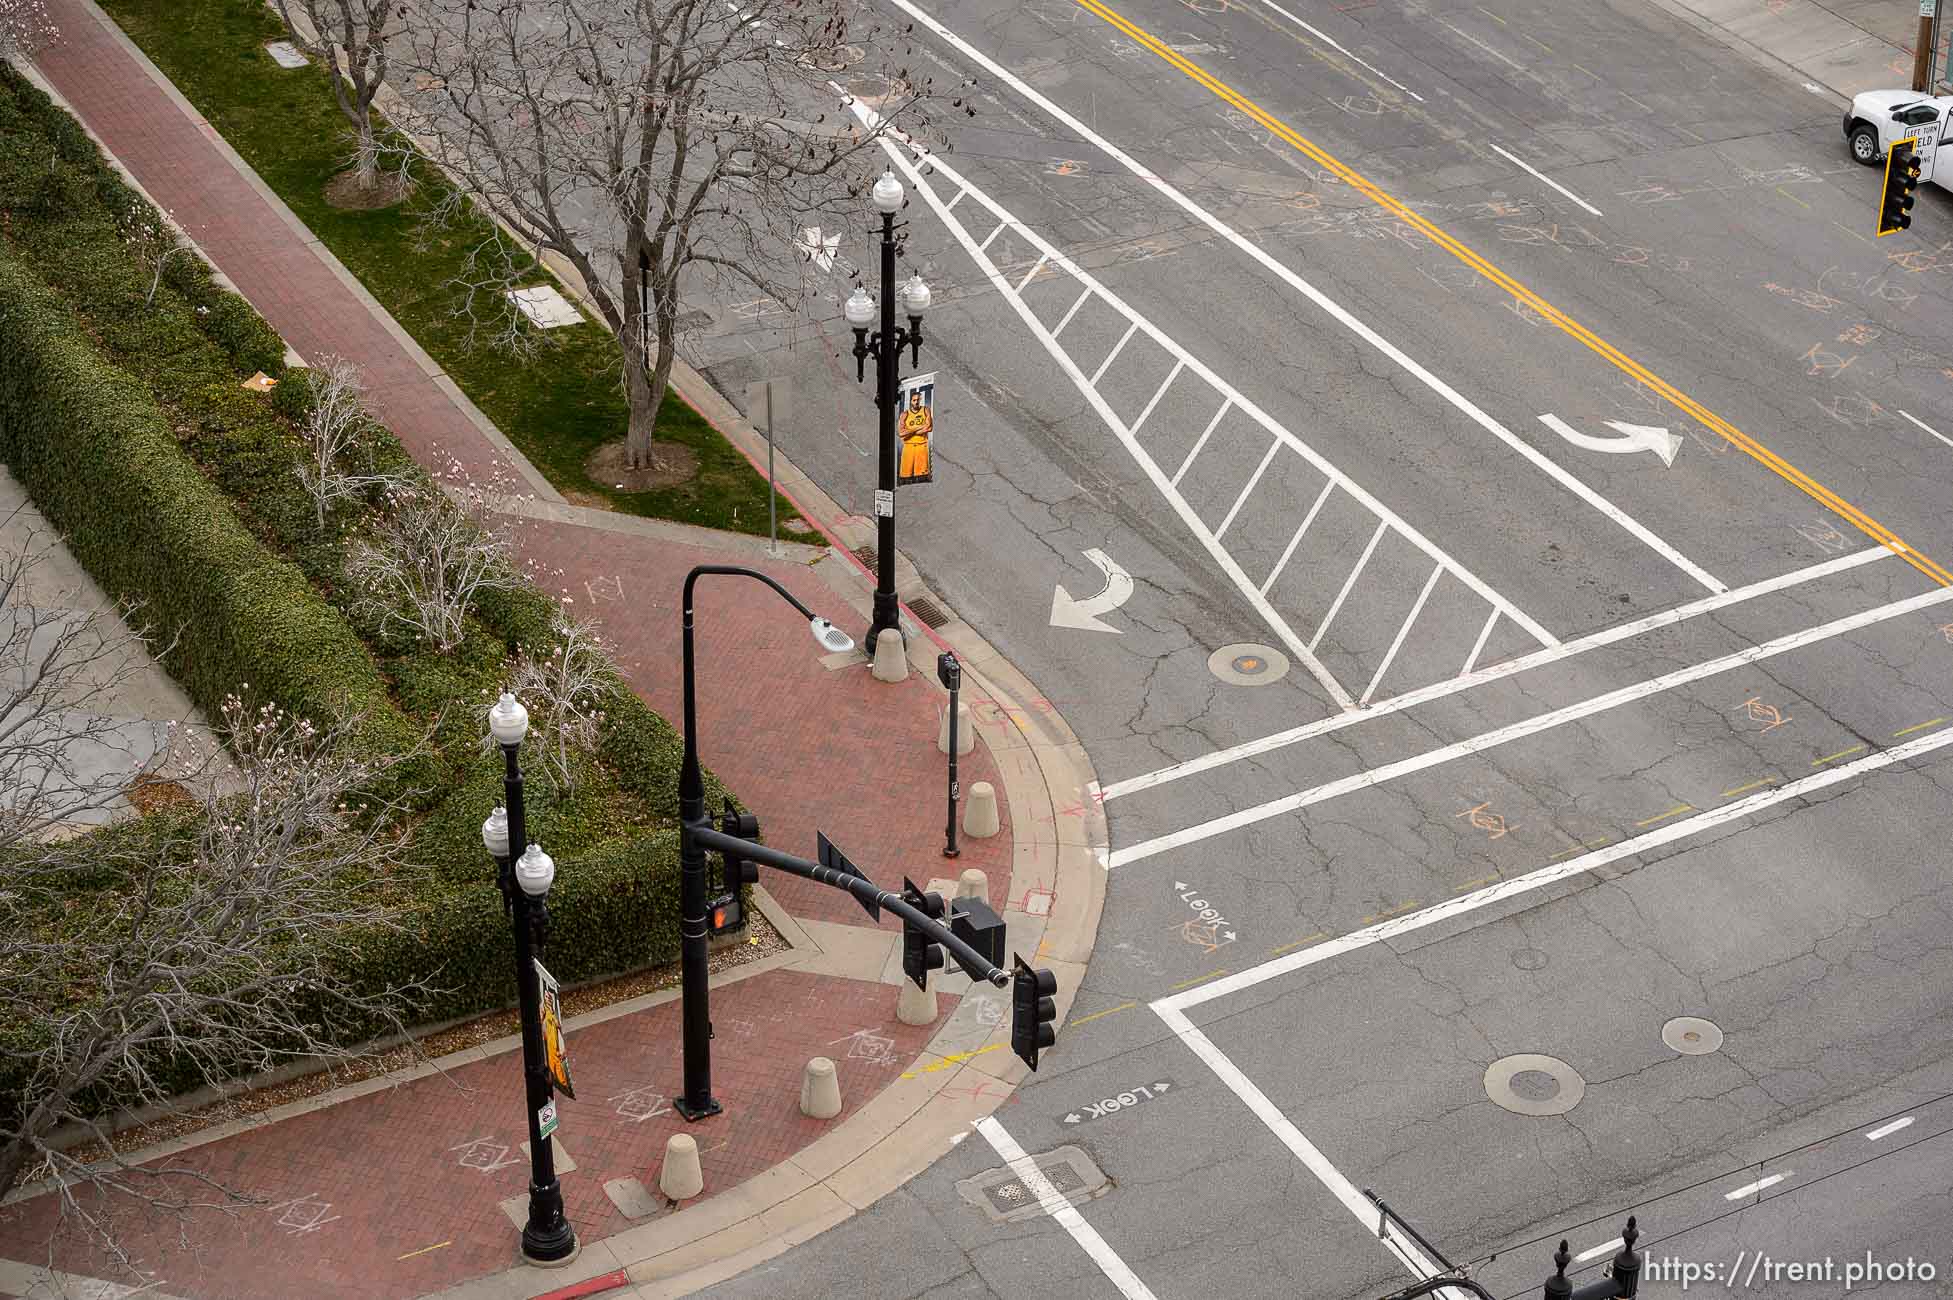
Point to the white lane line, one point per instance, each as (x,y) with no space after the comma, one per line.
(1478,646)
(1595,1252)
(1289,276)
(1001,227)
(1514,886)
(1402,632)
(1929,429)
(1173,1010)
(1751,1189)
(1526,166)
(1537,658)
(1296,540)
(1193,451)
(1326,39)
(1054,1203)
(1887,1130)
(1509,62)
(1520,730)
(1254,481)
(1349,582)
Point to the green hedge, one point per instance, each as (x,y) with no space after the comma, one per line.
(175,487)
(96,454)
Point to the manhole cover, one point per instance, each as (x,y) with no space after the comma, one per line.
(1002,1195)
(1528,958)
(1246,664)
(1692,1035)
(1530,1084)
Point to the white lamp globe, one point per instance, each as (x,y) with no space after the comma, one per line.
(495,833)
(535,871)
(887,194)
(915,295)
(508,721)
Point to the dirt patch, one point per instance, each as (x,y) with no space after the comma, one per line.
(152,793)
(673,464)
(343,191)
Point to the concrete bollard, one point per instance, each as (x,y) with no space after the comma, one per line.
(973,884)
(681,1178)
(820,1090)
(980,819)
(915,1006)
(891,657)
(965,733)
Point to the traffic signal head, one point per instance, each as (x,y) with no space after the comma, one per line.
(739,871)
(1901,179)
(920,954)
(1033,1008)
(724,913)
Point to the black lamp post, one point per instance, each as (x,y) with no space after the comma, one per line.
(885,346)
(547,1238)
(698,1102)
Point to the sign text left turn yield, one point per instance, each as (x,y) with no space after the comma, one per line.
(1084,614)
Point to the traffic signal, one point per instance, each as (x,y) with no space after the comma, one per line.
(919,954)
(1901,179)
(728,910)
(1033,1008)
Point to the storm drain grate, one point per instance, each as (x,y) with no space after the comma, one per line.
(868,555)
(929,612)
(1002,1195)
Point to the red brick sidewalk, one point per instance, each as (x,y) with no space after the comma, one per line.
(396,1193)
(384,1195)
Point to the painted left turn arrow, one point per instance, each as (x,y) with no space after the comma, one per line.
(1084,614)
(1634,437)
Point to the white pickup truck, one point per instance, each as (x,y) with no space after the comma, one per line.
(1880,117)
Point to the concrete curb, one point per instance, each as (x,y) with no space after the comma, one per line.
(1055,896)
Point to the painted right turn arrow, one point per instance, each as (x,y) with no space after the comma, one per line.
(1634,437)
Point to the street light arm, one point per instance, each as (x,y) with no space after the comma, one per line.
(705,569)
(979,966)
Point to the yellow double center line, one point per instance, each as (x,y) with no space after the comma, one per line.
(1682,401)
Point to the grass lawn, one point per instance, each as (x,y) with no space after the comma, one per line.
(558,405)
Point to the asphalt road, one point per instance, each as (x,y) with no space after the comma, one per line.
(1270,305)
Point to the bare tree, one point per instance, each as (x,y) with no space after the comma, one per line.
(649,142)
(564,684)
(429,556)
(151,236)
(24,27)
(353,41)
(335,432)
(212,949)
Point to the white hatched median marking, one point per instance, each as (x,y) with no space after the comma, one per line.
(917,164)
(1529,727)
(1173,1010)
(1438,690)
(1054,1203)
(1595,1252)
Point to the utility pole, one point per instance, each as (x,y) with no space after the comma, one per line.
(1922,51)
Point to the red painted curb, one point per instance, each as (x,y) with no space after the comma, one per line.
(595,1286)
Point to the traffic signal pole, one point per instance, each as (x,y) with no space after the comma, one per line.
(978,966)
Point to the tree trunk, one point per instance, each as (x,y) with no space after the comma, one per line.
(13,1162)
(646,391)
(367,161)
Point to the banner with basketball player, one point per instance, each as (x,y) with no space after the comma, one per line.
(915,425)
(556,1053)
